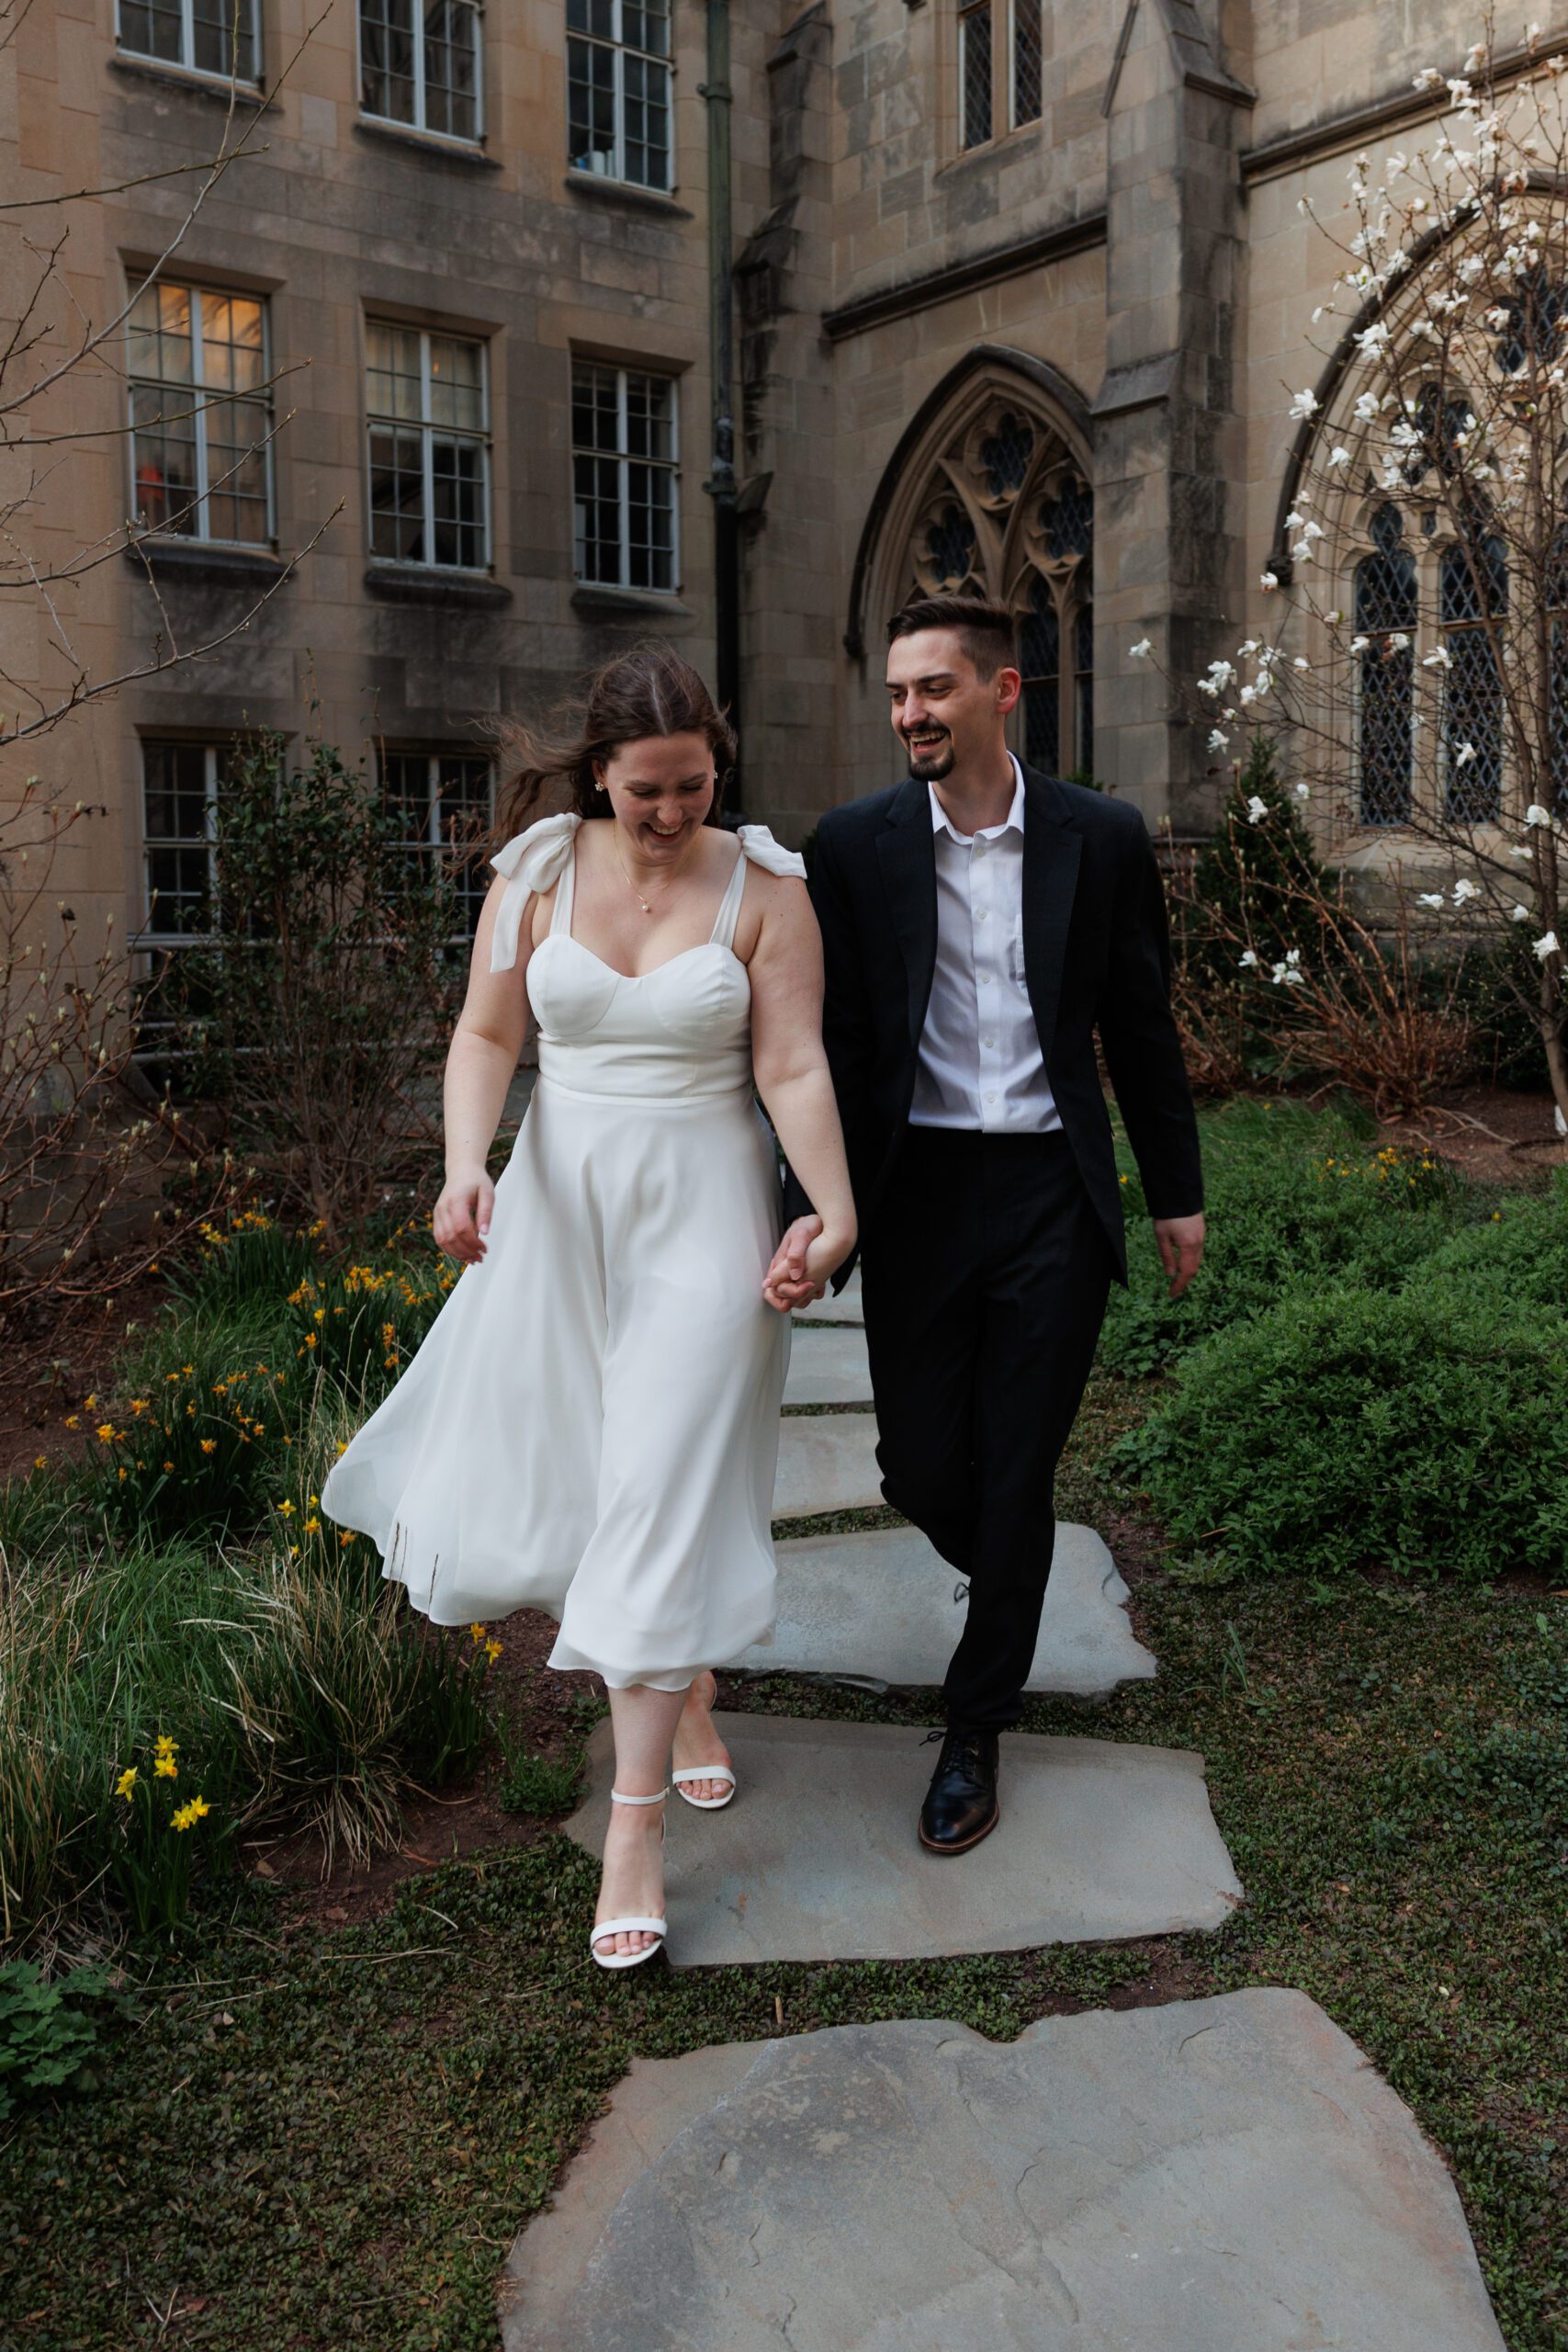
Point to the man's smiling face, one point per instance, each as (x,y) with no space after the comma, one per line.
(943,712)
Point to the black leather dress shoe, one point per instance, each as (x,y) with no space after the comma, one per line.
(961,1804)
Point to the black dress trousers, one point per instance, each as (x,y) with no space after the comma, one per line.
(986,1276)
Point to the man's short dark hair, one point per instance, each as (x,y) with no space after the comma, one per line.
(989,633)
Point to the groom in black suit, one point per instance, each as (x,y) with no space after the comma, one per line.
(981,922)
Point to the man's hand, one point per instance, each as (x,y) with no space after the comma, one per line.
(787,1282)
(1181,1240)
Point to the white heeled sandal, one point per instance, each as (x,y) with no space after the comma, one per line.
(705,1772)
(602,1927)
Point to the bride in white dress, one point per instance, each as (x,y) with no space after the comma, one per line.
(590,1427)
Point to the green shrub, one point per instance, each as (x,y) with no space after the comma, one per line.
(1424,1430)
(46,2039)
(1293,1198)
(200,1446)
(539,1784)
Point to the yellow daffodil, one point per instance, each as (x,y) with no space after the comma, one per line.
(40,1462)
(126,1783)
(166,1745)
(105,1431)
(287,1508)
(72,1420)
(209,1445)
(477,1632)
(492,1651)
(189,1815)
(313,1525)
(165,1768)
(168,1466)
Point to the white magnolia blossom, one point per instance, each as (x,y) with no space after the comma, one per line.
(1370,342)
(1535,815)
(1218,738)
(1521,914)
(1338,456)
(1464,755)
(1441,660)
(1367,408)
(1256,810)
(1303,791)
(1521,849)
(1399,642)
(1429,898)
(1303,404)
(1142,649)
(1546,944)
(1301,662)
(1360,644)
(1289,974)
(1464,891)
(1268,579)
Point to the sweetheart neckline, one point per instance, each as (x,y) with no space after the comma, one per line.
(632,978)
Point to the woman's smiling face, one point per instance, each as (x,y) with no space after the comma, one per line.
(660,791)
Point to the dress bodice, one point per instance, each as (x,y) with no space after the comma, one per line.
(680,1032)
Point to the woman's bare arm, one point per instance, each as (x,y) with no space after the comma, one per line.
(791,1066)
(480,1068)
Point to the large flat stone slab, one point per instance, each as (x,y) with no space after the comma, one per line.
(1219,2175)
(827,1465)
(827,1365)
(818,1858)
(883,1605)
(845,1308)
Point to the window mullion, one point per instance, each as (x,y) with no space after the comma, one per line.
(623,470)
(202,518)
(427,449)
(620,58)
(188,34)
(432,800)
(416,38)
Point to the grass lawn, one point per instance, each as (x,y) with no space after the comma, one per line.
(309,2137)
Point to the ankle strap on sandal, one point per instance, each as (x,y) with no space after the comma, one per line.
(616,1798)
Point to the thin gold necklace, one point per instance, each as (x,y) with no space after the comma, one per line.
(631,885)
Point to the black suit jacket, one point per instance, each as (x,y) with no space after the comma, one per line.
(1097,956)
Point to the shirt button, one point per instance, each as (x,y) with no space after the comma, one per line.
(990,1098)
(981,915)
(987,1042)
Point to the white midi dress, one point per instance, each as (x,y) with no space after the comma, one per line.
(590,1427)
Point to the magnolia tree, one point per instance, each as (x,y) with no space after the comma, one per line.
(1418,678)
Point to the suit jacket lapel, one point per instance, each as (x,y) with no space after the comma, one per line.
(907,858)
(1051,849)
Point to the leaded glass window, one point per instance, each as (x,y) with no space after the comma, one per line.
(1472,598)
(975,96)
(443,799)
(179,828)
(1386,608)
(216,37)
(624,461)
(200,414)
(419,64)
(1028,53)
(617,67)
(429,453)
(1006,513)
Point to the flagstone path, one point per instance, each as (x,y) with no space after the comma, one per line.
(882,1606)
(1217,2176)
(817,1857)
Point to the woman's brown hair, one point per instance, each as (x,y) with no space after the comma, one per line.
(647,692)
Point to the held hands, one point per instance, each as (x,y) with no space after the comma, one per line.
(1181,1240)
(462,1214)
(802,1264)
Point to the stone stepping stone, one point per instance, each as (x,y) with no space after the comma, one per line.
(828,1464)
(817,1858)
(1218,2176)
(845,1308)
(827,1366)
(880,1606)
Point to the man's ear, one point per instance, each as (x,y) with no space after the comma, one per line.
(1009,685)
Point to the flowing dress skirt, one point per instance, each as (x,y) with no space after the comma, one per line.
(591,1425)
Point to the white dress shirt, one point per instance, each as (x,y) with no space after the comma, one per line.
(980,1064)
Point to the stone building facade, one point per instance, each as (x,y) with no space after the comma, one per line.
(1007,294)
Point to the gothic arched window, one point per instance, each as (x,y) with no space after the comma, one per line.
(1386,613)
(1472,599)
(1009,515)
